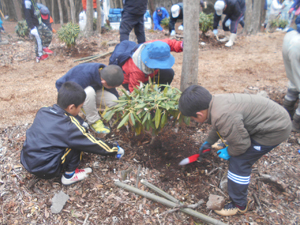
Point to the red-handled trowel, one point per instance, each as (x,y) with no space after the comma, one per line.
(188,160)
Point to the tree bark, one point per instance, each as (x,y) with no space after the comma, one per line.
(189,74)
(44,2)
(52,11)
(99,17)
(89,18)
(61,17)
(68,10)
(253,16)
(18,10)
(73,11)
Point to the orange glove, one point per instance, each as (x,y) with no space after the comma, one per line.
(53,30)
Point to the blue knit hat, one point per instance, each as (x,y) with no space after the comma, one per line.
(156,55)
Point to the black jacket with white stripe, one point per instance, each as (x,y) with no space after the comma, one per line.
(52,132)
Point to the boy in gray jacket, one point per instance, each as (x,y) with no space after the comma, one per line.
(251,124)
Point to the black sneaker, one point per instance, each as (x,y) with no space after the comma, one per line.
(230,209)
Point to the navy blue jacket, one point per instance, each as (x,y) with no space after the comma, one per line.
(30,17)
(85,74)
(136,7)
(52,132)
(173,20)
(296,4)
(234,11)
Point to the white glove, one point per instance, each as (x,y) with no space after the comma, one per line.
(180,27)
(34,31)
(215,31)
(227,23)
(120,152)
(172,33)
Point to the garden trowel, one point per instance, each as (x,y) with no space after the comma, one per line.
(189,160)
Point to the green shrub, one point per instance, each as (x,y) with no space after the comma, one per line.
(206,22)
(68,34)
(147,108)
(278,23)
(22,29)
(165,23)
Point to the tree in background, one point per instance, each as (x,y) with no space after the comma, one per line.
(189,74)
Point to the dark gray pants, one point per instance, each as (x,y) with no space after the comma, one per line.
(130,21)
(239,171)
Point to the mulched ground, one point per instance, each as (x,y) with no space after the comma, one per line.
(97,200)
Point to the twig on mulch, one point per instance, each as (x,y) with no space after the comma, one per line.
(213,170)
(86,218)
(178,207)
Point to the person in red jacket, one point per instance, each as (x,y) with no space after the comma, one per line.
(151,59)
(84,5)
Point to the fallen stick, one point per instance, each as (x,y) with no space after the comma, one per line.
(93,57)
(168,203)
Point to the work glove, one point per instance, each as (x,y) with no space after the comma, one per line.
(180,27)
(34,31)
(291,10)
(223,153)
(205,149)
(228,22)
(215,31)
(172,33)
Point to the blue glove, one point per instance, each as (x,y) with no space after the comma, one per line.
(227,23)
(205,149)
(223,153)
(120,152)
(215,31)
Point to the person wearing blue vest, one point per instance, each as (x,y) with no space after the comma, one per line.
(99,83)
(159,14)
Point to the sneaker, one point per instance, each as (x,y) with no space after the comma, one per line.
(43,57)
(289,106)
(99,127)
(230,209)
(47,50)
(80,174)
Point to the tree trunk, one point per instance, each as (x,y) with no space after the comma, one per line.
(68,10)
(189,74)
(89,18)
(52,11)
(44,2)
(253,16)
(61,17)
(121,4)
(73,11)
(18,10)
(99,17)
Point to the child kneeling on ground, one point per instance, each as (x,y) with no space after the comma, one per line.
(56,139)
(251,124)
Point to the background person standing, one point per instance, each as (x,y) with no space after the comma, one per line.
(133,17)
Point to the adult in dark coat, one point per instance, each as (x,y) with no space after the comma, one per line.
(234,11)
(133,17)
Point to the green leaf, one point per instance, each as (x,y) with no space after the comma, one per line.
(132,119)
(123,121)
(164,119)
(139,106)
(157,118)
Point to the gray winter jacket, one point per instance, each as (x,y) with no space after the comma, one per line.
(241,117)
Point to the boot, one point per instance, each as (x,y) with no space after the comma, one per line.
(289,106)
(296,123)
(231,40)
(226,38)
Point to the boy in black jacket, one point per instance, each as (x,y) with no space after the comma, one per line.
(56,138)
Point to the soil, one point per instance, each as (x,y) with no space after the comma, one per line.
(253,65)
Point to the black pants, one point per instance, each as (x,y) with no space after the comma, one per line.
(164,76)
(240,170)
(72,161)
(130,21)
(233,26)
